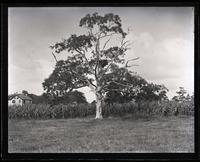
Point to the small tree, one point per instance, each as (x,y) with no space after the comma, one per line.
(188,97)
(93,55)
(181,95)
(192,97)
(25,92)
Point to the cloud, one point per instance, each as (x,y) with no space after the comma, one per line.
(30,79)
(169,62)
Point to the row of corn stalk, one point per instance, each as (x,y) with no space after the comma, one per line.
(146,108)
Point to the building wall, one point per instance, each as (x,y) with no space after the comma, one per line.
(15,101)
(27,102)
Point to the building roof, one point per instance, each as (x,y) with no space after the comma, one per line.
(10,97)
(22,96)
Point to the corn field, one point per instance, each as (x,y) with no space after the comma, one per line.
(42,111)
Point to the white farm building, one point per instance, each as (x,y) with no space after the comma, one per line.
(19,100)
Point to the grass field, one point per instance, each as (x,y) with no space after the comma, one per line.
(127,134)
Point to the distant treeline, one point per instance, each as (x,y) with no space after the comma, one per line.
(148,93)
(71,97)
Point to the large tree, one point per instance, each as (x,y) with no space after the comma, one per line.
(93,55)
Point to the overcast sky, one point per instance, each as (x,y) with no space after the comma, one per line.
(162,37)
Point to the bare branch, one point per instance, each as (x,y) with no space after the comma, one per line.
(106,43)
(108,66)
(132,65)
(123,43)
(91,86)
(126,65)
(91,83)
(54,57)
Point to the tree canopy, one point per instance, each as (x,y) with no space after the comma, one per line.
(90,58)
(182,95)
(142,90)
(95,59)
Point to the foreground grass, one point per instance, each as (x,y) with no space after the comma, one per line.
(172,134)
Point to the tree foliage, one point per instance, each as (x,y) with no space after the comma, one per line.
(74,97)
(69,98)
(81,65)
(141,91)
(152,92)
(63,78)
(24,92)
(182,95)
(38,99)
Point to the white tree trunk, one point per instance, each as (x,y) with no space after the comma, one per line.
(98,101)
(98,106)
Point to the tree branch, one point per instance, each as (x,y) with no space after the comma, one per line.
(107,35)
(97,60)
(108,66)
(114,89)
(83,79)
(91,86)
(78,76)
(92,83)
(132,65)
(54,57)
(126,85)
(106,43)
(83,54)
(79,87)
(126,65)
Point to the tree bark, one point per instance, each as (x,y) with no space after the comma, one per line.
(98,106)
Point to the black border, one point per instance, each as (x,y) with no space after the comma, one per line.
(95,156)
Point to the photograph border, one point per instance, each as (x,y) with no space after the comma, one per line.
(96,156)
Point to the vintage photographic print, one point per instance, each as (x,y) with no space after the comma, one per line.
(101,80)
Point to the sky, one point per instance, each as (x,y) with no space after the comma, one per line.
(163,38)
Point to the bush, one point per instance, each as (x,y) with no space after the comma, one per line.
(145,108)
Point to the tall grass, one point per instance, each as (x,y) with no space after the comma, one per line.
(145,108)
